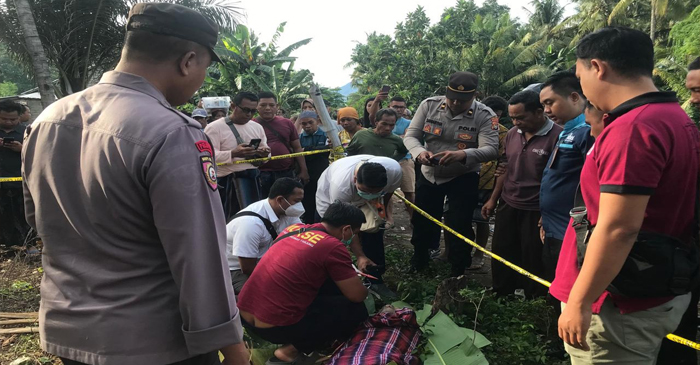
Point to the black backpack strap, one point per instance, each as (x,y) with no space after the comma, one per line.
(277,134)
(229,122)
(268,225)
(294,233)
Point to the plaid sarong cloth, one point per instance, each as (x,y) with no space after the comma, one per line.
(384,338)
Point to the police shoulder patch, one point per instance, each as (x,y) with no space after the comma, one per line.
(209,171)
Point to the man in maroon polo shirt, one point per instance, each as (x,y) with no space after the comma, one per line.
(640,176)
(516,236)
(283,139)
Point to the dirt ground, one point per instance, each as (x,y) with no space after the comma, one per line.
(20,277)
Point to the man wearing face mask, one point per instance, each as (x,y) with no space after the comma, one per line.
(362,180)
(251,232)
(459,134)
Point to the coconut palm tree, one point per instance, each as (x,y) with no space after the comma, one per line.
(35,51)
(82,38)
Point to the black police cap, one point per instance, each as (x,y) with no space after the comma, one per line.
(176,21)
(462,86)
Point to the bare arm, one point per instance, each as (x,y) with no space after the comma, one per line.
(301,161)
(247,264)
(619,222)
(353,289)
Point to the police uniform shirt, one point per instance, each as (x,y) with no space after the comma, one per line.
(475,132)
(121,187)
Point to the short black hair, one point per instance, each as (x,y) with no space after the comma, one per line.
(340,214)
(564,83)
(11,106)
(267,95)
(238,99)
(372,175)
(147,46)
(529,98)
(695,65)
(385,111)
(496,102)
(629,52)
(284,187)
(398,98)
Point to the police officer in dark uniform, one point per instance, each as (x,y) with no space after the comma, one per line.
(459,134)
(134,234)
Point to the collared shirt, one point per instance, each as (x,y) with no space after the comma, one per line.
(487,175)
(400,130)
(649,146)
(338,181)
(316,141)
(526,162)
(286,129)
(11,161)
(224,141)
(472,132)
(133,229)
(562,175)
(246,236)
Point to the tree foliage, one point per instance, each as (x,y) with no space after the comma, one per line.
(508,55)
(82,38)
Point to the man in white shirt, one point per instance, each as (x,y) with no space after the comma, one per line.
(361,180)
(252,231)
(231,139)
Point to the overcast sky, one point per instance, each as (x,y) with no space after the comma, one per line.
(336,26)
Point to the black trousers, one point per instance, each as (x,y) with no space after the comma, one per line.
(330,317)
(267,178)
(675,353)
(516,238)
(373,246)
(13,225)
(550,256)
(205,359)
(462,193)
(316,167)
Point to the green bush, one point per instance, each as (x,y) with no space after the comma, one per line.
(522,331)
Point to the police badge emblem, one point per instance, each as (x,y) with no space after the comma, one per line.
(209,170)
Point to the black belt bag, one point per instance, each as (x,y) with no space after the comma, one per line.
(657,266)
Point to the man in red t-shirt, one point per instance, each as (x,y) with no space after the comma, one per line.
(283,139)
(640,176)
(305,293)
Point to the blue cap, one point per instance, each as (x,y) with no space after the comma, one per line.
(199,113)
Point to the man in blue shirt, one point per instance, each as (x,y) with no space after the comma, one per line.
(312,138)
(564,104)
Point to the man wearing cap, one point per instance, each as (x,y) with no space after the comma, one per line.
(200,115)
(134,236)
(459,134)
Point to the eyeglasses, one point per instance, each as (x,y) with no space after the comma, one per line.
(397,107)
(247,110)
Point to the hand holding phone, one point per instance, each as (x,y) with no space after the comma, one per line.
(7,141)
(385,89)
(255,143)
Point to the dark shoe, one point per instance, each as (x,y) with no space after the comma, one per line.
(383,292)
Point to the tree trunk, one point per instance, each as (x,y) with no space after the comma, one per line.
(652,27)
(40,63)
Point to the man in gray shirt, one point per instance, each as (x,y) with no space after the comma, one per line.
(459,134)
(121,187)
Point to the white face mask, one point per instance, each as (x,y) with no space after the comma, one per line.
(294,210)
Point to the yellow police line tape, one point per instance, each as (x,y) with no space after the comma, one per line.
(263,159)
(280,157)
(520,270)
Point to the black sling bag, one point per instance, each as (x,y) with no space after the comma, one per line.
(657,266)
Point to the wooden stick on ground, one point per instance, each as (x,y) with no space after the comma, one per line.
(19,330)
(19,315)
(19,321)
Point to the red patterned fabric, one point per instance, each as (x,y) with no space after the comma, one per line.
(384,338)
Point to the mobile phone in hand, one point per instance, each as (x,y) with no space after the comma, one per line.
(435,160)
(255,143)
(7,140)
(385,89)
